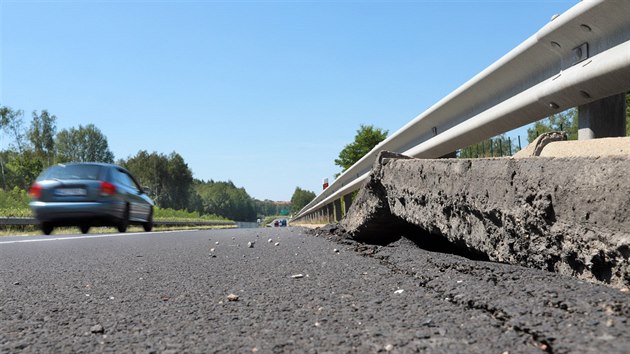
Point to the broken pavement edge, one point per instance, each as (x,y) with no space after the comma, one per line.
(566,215)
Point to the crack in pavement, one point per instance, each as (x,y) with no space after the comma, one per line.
(543,342)
(542,306)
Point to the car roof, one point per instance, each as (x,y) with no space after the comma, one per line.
(102,164)
(87,163)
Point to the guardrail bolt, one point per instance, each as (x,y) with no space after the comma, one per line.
(580,53)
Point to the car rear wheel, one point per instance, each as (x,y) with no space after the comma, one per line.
(47,228)
(124,222)
(84,229)
(148,226)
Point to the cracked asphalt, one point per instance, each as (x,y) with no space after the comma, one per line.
(168,293)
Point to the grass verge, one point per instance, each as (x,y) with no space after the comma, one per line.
(34,231)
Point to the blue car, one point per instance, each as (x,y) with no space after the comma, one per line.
(89,194)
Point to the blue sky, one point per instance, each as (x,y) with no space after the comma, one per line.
(263,93)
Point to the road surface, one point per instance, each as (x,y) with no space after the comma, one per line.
(207,291)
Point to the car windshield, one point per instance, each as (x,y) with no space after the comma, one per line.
(91,172)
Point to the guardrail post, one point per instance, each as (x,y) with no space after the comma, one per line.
(331,213)
(603,118)
(347,201)
(337,208)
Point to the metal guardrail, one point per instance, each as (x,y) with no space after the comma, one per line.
(579,57)
(33,222)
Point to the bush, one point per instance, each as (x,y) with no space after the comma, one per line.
(182,215)
(14,203)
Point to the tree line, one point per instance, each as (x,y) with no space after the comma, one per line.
(33,148)
(166,178)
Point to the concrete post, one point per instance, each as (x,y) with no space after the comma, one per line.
(347,200)
(603,118)
(337,207)
(330,210)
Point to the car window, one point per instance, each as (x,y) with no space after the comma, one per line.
(134,183)
(126,180)
(64,172)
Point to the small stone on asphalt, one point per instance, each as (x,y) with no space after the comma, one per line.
(297,276)
(250,244)
(232,297)
(399,291)
(97,329)
(277,244)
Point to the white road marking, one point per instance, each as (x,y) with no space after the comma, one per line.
(88,236)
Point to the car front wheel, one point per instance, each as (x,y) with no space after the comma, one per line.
(47,228)
(124,222)
(148,225)
(84,229)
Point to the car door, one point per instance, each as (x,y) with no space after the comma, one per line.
(142,206)
(131,194)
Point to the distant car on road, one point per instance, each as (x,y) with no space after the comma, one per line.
(89,194)
(278,223)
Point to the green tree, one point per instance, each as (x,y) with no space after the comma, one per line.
(300,199)
(21,169)
(179,182)
(83,144)
(13,124)
(268,208)
(365,140)
(168,179)
(41,135)
(18,165)
(150,170)
(225,199)
(564,121)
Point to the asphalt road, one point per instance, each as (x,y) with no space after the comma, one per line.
(168,292)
